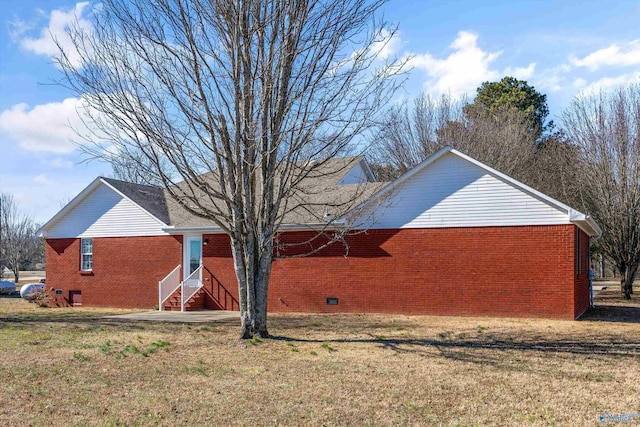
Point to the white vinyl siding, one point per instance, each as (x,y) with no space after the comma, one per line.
(105,213)
(86,254)
(453,192)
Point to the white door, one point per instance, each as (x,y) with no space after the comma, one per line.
(192,254)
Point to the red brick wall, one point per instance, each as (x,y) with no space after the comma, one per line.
(492,271)
(126,270)
(219,277)
(483,271)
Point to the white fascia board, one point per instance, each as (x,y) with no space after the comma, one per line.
(367,169)
(586,223)
(127,198)
(69,206)
(335,225)
(595,227)
(194,230)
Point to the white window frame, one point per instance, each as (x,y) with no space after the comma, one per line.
(83,254)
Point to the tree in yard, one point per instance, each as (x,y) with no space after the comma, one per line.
(19,242)
(241,101)
(409,134)
(606,128)
(501,138)
(133,167)
(513,93)
(555,169)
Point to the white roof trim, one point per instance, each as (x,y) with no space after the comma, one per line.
(367,169)
(72,204)
(81,196)
(583,221)
(288,227)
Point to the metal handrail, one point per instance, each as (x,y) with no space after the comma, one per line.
(168,285)
(190,286)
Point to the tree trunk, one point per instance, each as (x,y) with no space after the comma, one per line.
(262,290)
(16,274)
(245,326)
(626,282)
(239,265)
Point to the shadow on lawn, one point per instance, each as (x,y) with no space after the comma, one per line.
(78,318)
(499,342)
(610,307)
(612,313)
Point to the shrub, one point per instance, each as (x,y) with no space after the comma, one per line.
(41,299)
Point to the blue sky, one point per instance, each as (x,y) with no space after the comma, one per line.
(563,48)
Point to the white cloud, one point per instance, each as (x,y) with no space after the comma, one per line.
(42,180)
(608,83)
(59,163)
(59,22)
(521,73)
(613,55)
(463,70)
(579,82)
(44,128)
(551,79)
(17,28)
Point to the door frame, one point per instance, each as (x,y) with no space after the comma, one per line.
(186,252)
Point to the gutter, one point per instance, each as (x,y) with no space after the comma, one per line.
(586,223)
(335,225)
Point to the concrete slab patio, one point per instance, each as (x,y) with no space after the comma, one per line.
(177,316)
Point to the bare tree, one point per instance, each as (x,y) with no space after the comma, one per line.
(556,170)
(409,133)
(130,165)
(240,100)
(606,127)
(502,138)
(19,243)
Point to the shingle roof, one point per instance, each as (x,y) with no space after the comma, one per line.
(316,196)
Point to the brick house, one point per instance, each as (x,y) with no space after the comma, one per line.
(453,237)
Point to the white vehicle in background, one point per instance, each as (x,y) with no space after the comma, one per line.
(7,288)
(30,290)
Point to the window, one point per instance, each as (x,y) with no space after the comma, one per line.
(86,254)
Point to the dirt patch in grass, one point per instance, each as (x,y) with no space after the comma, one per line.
(73,367)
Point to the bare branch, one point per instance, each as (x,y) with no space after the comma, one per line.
(232,106)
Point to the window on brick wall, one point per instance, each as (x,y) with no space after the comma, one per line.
(86,254)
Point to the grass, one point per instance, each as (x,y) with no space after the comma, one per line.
(73,367)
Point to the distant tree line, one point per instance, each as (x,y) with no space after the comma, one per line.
(20,246)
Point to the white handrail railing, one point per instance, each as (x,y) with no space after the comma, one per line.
(168,285)
(190,286)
